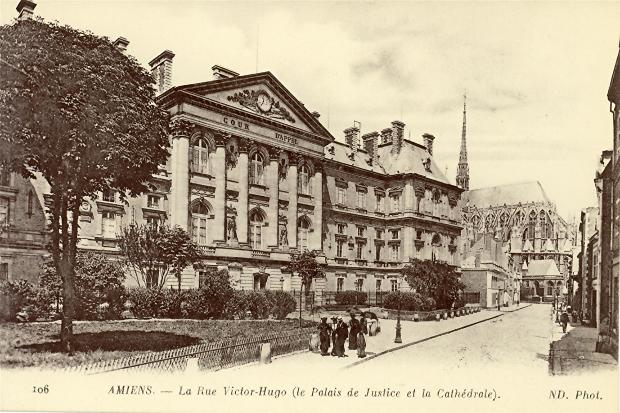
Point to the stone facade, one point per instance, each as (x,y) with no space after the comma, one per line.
(523,218)
(253,176)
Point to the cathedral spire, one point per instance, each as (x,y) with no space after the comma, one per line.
(462,174)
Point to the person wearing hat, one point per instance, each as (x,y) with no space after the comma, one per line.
(334,335)
(356,327)
(325,332)
(342,331)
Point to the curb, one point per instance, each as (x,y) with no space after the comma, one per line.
(517,309)
(418,341)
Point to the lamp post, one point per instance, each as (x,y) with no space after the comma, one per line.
(398,338)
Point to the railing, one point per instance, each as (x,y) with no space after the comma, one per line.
(375,298)
(215,355)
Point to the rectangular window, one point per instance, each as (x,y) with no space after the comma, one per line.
(108,195)
(394,252)
(395,234)
(394,285)
(152,278)
(359,284)
(303,239)
(108,224)
(361,200)
(341,228)
(4,211)
(377,252)
(153,222)
(5,177)
(359,253)
(152,201)
(339,245)
(199,230)
(380,203)
(256,236)
(379,234)
(361,231)
(339,284)
(342,196)
(4,271)
(395,203)
(378,286)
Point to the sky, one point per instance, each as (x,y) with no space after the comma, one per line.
(536,74)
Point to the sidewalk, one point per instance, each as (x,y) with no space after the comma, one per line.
(573,352)
(411,333)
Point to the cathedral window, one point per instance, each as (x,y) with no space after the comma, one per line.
(256,169)
(200,157)
(531,228)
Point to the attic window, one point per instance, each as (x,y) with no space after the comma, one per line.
(427,164)
(331,150)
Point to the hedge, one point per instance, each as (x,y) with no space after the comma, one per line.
(22,301)
(351,297)
(409,301)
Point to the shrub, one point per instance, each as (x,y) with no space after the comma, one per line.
(410,301)
(99,292)
(282,303)
(235,306)
(145,303)
(258,304)
(351,297)
(22,297)
(216,292)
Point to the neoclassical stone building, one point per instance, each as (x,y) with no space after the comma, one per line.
(253,176)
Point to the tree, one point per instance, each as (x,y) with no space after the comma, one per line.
(165,250)
(307,268)
(434,279)
(98,280)
(80,114)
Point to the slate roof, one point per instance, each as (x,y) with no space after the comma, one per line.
(511,194)
(542,268)
(409,160)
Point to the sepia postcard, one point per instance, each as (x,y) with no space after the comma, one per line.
(308,206)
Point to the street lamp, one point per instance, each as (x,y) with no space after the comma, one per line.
(398,339)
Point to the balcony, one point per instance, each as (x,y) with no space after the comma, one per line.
(361,262)
(260,254)
(341,260)
(206,250)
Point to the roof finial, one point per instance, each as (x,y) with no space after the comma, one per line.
(462,175)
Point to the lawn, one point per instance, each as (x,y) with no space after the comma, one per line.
(36,344)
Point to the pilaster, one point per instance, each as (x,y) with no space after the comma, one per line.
(317,225)
(242,205)
(272,183)
(179,207)
(291,225)
(219,160)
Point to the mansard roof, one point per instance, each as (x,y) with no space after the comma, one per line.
(410,160)
(613,94)
(511,194)
(542,268)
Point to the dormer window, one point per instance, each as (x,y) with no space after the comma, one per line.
(427,164)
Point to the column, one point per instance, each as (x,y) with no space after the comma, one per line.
(272,184)
(317,224)
(219,170)
(242,206)
(291,225)
(179,205)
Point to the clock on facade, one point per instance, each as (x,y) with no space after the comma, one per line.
(263,102)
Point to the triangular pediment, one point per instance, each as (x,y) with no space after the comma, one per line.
(260,95)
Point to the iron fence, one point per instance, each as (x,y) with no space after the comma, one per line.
(215,355)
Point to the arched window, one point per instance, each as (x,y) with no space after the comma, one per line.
(200,156)
(549,287)
(303,228)
(303,180)
(256,229)
(200,212)
(256,169)
(543,225)
(531,227)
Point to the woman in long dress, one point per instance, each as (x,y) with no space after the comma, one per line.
(361,339)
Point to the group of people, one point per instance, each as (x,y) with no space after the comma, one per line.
(337,332)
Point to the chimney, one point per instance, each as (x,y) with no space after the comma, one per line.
(351,137)
(161,70)
(220,72)
(386,135)
(121,43)
(398,129)
(25,8)
(428,142)
(371,142)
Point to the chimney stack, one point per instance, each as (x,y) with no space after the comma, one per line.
(351,137)
(386,135)
(398,129)
(371,143)
(161,70)
(25,8)
(121,43)
(428,142)
(220,72)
